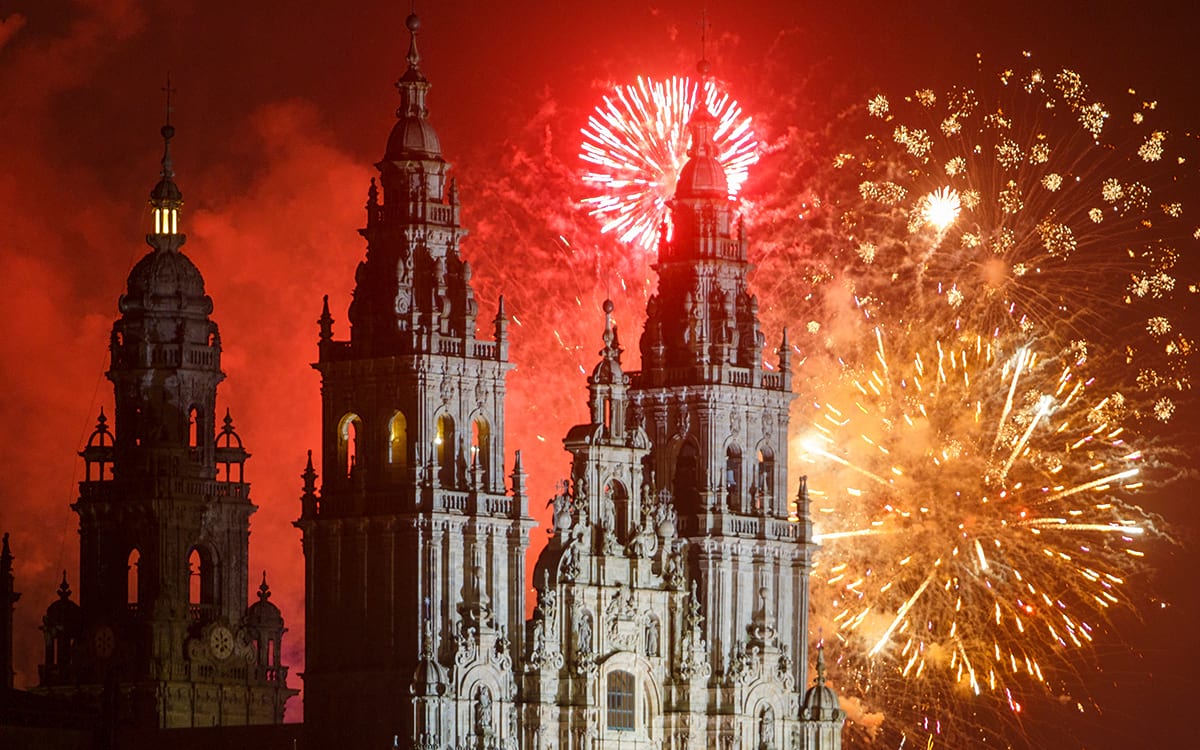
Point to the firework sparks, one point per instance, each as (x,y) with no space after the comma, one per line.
(940,208)
(994,247)
(1019,201)
(637,141)
(976,490)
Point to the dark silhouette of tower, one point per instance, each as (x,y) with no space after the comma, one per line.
(8,601)
(164,513)
(414,548)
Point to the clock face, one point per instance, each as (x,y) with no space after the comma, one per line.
(220,642)
(104,642)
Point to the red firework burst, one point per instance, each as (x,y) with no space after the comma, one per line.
(636,142)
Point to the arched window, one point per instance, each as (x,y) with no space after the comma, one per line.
(349,433)
(766,473)
(687,478)
(481,448)
(194,430)
(195,576)
(733,477)
(444,441)
(132,590)
(620,701)
(202,586)
(398,442)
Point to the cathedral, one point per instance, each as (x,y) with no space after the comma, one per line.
(671,605)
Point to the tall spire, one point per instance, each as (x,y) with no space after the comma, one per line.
(166,198)
(702,175)
(412,137)
(819,680)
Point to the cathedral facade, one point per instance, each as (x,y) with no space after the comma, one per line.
(672,597)
(671,608)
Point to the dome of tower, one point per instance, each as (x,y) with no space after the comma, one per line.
(819,701)
(702,176)
(413,138)
(166,191)
(164,274)
(63,616)
(263,614)
(429,677)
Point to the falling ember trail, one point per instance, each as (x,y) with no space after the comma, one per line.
(904,608)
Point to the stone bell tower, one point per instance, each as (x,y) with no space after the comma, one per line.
(164,513)
(716,412)
(414,547)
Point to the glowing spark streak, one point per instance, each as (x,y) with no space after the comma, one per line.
(1008,402)
(1059,523)
(1092,484)
(1043,410)
(848,465)
(900,615)
(983,563)
(845,534)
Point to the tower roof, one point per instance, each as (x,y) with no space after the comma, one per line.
(412,136)
(63,615)
(820,702)
(608,370)
(166,191)
(263,614)
(702,176)
(163,276)
(165,279)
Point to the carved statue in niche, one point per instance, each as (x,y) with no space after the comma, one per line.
(608,511)
(483,712)
(652,637)
(766,729)
(583,633)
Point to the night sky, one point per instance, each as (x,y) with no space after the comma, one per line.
(280,111)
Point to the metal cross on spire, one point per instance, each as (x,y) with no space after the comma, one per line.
(703,66)
(168,89)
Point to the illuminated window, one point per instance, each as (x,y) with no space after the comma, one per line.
(398,442)
(166,220)
(620,701)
